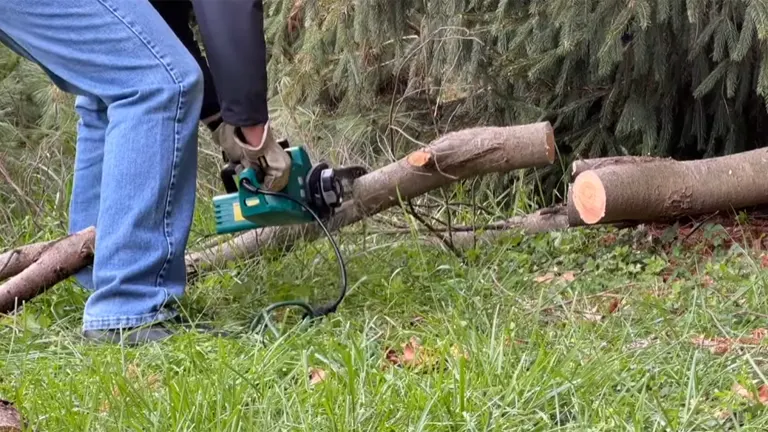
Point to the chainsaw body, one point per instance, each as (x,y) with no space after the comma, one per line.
(317,186)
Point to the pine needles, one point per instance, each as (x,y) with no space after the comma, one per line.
(677,78)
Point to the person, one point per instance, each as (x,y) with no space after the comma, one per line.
(140,96)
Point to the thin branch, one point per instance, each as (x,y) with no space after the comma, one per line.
(436,233)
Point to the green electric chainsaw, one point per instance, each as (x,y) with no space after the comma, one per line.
(313,194)
(312,188)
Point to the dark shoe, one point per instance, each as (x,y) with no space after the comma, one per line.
(154,332)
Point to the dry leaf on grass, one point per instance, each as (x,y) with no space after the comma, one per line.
(762,393)
(459,352)
(593,315)
(508,342)
(133,374)
(105,405)
(417,320)
(411,351)
(392,357)
(316,376)
(641,343)
(549,277)
(722,415)
(608,240)
(415,356)
(152,381)
(614,306)
(723,345)
(133,371)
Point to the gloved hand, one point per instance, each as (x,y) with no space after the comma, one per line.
(267,155)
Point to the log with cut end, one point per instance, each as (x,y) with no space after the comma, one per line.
(60,260)
(457,155)
(669,189)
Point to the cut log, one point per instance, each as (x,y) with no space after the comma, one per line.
(60,260)
(582,165)
(668,189)
(457,155)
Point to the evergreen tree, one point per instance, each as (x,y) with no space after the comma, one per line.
(37,143)
(684,78)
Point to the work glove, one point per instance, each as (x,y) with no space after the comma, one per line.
(273,161)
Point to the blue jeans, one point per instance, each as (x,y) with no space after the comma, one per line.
(139,95)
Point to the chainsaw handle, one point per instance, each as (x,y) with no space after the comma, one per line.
(228,174)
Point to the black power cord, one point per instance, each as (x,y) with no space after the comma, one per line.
(310,312)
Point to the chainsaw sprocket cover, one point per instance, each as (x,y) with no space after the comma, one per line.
(324,192)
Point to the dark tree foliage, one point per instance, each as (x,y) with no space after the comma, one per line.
(684,78)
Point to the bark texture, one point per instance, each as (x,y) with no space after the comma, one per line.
(668,189)
(457,155)
(60,260)
(14,261)
(574,219)
(579,166)
(10,418)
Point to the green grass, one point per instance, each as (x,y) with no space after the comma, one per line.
(537,357)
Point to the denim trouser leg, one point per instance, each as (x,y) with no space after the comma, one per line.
(86,186)
(139,97)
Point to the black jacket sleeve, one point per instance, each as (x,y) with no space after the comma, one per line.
(235,46)
(177,14)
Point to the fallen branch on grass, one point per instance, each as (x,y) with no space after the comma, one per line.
(455,156)
(465,236)
(14,261)
(540,221)
(545,220)
(59,260)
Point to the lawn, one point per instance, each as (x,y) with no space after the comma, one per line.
(579,330)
